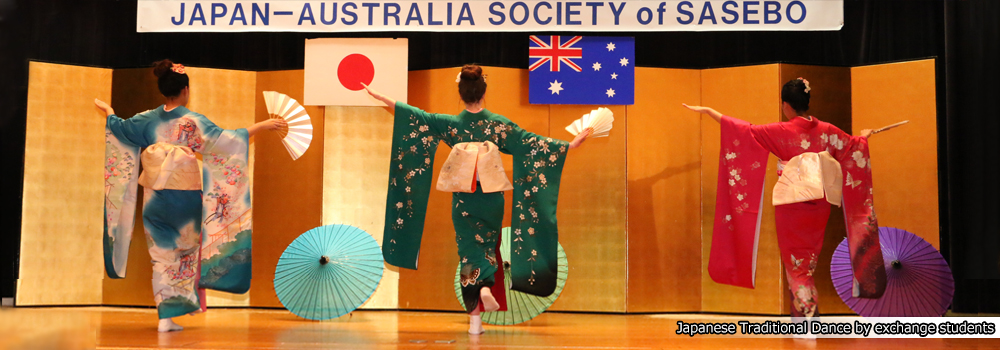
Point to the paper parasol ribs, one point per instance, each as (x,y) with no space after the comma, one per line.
(328,272)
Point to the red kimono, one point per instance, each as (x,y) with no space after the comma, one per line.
(800,226)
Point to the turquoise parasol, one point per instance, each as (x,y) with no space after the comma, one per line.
(328,272)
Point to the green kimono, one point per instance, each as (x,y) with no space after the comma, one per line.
(538,163)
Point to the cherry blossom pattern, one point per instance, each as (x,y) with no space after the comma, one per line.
(421,140)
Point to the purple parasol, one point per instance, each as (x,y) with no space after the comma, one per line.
(919,281)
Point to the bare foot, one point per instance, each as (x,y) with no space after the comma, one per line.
(489,302)
(168,325)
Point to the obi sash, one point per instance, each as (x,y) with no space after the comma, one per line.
(809,176)
(469,161)
(170,167)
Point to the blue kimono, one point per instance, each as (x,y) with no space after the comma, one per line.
(197,221)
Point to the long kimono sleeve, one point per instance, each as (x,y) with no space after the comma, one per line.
(538,165)
(739,197)
(415,137)
(123,139)
(867,263)
(227,217)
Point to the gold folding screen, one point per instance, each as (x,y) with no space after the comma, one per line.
(61,261)
(747,93)
(287,194)
(830,101)
(636,209)
(664,185)
(592,215)
(906,187)
(133,91)
(355,178)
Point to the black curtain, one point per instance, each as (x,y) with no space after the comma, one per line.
(963,35)
(972,49)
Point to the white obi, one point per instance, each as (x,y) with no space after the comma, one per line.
(807,177)
(471,161)
(170,167)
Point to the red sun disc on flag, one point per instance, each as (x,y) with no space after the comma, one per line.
(354,70)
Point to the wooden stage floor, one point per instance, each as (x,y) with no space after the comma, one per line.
(135,328)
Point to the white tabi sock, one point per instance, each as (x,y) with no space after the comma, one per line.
(168,325)
(476,324)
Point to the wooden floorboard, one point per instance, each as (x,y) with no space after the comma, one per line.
(135,328)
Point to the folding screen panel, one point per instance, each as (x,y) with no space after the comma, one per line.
(61,254)
(904,160)
(747,93)
(288,194)
(664,190)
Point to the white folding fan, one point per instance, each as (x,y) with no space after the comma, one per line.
(598,120)
(298,136)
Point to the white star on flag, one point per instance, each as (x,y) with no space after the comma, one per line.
(614,76)
(597,66)
(555,87)
(610,92)
(611,46)
(624,62)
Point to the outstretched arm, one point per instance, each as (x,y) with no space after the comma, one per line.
(706,110)
(270,124)
(385,99)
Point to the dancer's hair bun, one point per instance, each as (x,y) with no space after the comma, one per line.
(162,68)
(471,83)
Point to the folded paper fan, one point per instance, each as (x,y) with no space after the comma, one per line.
(298,136)
(598,120)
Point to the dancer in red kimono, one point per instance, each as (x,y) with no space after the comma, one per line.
(818,164)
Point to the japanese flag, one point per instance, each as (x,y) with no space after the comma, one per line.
(336,67)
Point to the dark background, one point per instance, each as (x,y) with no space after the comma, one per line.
(964,36)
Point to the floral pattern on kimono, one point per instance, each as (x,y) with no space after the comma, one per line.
(174,219)
(743,156)
(538,163)
(120,179)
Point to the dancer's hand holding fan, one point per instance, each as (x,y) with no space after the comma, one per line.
(298,134)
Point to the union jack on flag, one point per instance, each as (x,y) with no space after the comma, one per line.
(555,54)
(589,70)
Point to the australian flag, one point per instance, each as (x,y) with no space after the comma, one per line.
(591,70)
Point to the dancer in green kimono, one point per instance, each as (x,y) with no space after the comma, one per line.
(180,201)
(476,176)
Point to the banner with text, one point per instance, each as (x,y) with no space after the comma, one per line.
(845,327)
(487,16)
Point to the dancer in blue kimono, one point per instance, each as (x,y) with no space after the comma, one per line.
(197,221)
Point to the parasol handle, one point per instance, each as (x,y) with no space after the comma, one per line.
(896,264)
(324,260)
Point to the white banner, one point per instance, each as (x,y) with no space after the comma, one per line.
(488,16)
